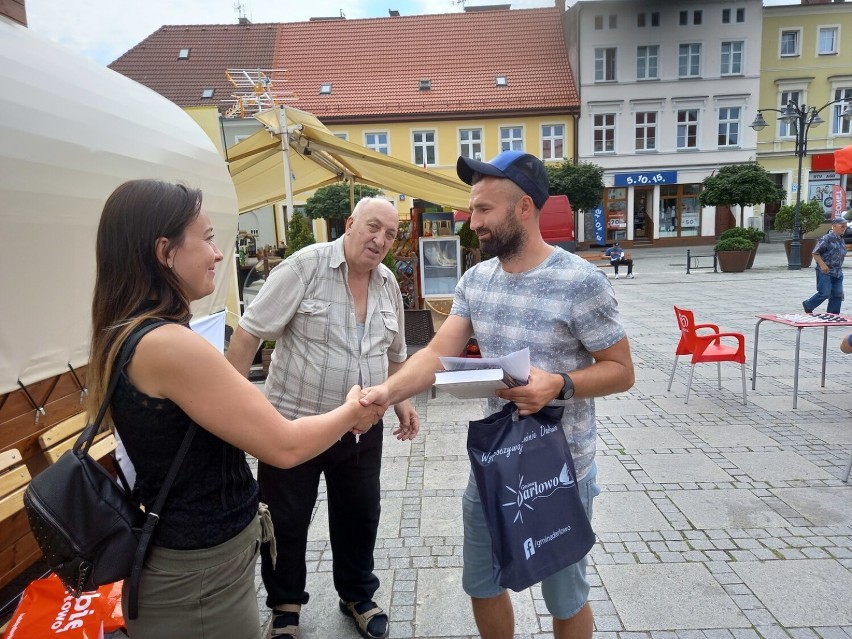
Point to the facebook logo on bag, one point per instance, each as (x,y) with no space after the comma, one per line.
(529,547)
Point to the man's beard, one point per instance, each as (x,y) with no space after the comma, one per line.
(506,241)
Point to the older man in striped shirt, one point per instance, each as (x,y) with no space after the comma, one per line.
(336,314)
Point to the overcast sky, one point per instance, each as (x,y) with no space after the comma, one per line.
(104,29)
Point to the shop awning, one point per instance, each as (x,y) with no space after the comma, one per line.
(843,160)
(317,158)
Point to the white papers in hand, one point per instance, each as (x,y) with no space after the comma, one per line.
(516,364)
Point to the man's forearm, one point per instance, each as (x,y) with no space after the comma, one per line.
(415,375)
(242,349)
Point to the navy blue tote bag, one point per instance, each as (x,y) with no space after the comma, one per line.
(526,481)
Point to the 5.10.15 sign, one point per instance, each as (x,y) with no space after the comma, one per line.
(648,178)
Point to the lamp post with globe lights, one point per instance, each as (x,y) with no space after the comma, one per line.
(801,118)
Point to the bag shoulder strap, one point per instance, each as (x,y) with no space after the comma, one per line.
(84,441)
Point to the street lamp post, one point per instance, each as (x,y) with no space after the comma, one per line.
(801,118)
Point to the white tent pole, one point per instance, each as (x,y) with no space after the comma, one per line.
(282,219)
(351,193)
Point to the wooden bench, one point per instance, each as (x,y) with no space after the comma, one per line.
(62,436)
(596,258)
(14,477)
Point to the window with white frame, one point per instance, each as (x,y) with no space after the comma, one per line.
(646,130)
(470,143)
(552,141)
(599,22)
(605,64)
(789,45)
(424,148)
(687,129)
(511,138)
(839,126)
(644,19)
(689,60)
(732,58)
(342,135)
(827,41)
(741,15)
(604,132)
(729,126)
(648,62)
(786,130)
(378,141)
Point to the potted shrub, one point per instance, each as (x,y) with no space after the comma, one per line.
(811,215)
(733,254)
(752,235)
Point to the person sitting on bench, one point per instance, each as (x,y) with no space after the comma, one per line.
(617,256)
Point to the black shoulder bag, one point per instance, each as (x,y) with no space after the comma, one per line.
(89,529)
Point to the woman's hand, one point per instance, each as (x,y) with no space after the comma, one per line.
(366,416)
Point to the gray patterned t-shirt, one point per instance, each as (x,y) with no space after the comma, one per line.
(564,309)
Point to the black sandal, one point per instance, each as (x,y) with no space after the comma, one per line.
(363,612)
(289,615)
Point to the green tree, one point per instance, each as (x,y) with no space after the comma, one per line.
(582,183)
(332,201)
(740,185)
(298,235)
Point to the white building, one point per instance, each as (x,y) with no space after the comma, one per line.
(668,90)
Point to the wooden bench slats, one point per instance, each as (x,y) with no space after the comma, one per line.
(63,430)
(55,452)
(14,478)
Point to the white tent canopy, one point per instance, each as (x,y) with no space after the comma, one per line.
(71,132)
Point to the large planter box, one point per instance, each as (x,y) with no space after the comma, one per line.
(733,261)
(805,251)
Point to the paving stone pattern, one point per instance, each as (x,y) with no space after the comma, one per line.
(716,520)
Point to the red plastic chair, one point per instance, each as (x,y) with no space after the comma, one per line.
(706,346)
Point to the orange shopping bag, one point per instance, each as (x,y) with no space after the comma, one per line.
(47,610)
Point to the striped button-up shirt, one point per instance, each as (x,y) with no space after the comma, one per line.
(307,307)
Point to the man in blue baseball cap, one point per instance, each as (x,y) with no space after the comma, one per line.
(563,309)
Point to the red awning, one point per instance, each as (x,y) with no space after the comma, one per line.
(843,160)
(460,216)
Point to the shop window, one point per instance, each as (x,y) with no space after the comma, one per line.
(615,207)
(680,214)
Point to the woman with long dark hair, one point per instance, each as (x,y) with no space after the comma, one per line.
(155,254)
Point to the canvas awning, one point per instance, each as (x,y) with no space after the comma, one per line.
(843,160)
(317,157)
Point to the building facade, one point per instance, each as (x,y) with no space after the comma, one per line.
(667,92)
(806,61)
(424,89)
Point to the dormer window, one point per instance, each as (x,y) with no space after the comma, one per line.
(425,85)
(206,94)
(502,81)
(325,89)
(183,54)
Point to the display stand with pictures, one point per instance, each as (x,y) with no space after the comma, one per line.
(440,265)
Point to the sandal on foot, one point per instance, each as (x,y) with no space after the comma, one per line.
(285,622)
(363,612)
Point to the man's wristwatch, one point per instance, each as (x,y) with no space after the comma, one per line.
(567,391)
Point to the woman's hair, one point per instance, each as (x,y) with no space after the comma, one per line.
(132,283)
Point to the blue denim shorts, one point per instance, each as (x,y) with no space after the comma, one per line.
(565,593)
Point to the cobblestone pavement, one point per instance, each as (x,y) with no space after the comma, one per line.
(716,520)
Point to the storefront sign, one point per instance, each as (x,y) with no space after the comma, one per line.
(820,188)
(600,232)
(838,201)
(649,178)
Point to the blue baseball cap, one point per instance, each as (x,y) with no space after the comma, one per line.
(525,170)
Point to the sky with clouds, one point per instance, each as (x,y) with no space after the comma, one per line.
(105,29)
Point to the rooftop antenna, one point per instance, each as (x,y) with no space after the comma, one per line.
(240,8)
(342,15)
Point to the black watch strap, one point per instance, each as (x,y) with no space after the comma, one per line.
(567,391)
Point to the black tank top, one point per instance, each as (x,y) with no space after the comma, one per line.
(214,496)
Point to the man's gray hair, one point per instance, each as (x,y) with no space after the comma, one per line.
(364,201)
